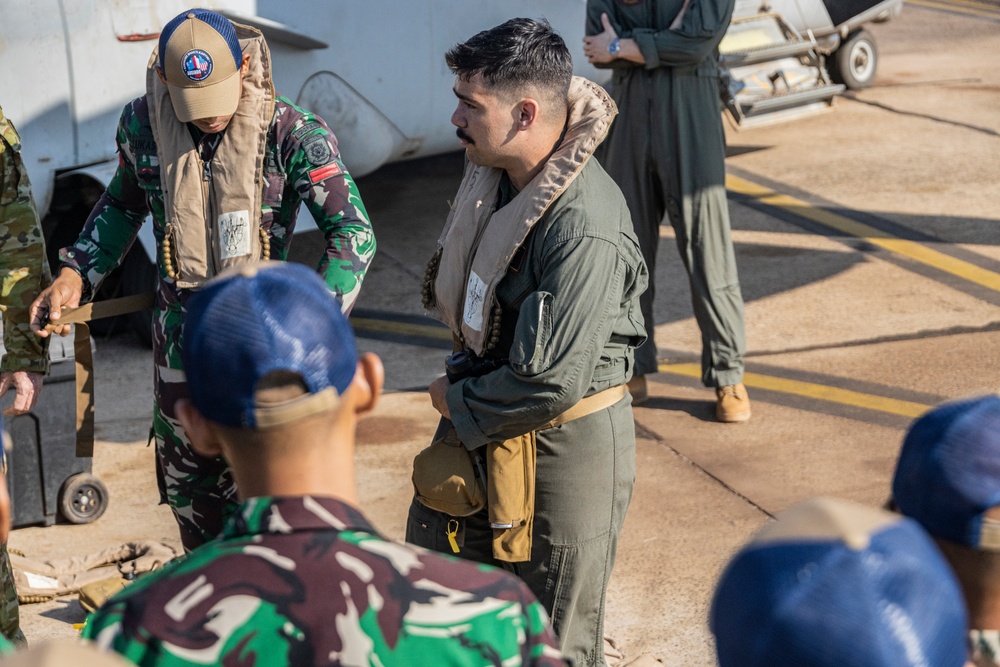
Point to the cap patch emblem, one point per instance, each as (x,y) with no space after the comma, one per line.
(197,65)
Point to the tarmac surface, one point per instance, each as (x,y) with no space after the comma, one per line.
(868,242)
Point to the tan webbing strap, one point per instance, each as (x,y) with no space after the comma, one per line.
(84,358)
(588,406)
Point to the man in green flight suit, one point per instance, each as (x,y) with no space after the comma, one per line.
(538,275)
(667,153)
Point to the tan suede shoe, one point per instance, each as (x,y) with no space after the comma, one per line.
(732,404)
(637,387)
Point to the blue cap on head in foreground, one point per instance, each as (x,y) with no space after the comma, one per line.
(833,583)
(260,319)
(948,474)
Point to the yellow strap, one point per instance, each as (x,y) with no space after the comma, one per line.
(588,406)
(84,358)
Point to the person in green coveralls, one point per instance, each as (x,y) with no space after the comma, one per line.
(666,151)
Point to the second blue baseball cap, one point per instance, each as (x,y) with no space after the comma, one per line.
(833,583)
(948,473)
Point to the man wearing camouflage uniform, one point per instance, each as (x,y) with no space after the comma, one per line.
(223,188)
(667,151)
(24,271)
(299,576)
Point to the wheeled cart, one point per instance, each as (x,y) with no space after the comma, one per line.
(46,479)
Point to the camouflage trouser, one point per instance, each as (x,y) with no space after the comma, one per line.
(200,491)
(10,618)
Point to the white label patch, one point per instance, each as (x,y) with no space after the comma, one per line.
(475,293)
(234,230)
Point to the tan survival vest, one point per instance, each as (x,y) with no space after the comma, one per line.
(216,224)
(478,243)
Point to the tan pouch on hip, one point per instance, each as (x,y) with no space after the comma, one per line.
(444,478)
(510,468)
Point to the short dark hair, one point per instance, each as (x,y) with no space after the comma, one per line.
(516,53)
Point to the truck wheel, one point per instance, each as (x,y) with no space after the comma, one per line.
(138,276)
(83,498)
(855,62)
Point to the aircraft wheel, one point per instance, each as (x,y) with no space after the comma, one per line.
(83,498)
(855,62)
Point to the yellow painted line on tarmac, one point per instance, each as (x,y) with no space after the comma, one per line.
(403,328)
(910,249)
(970,8)
(815,391)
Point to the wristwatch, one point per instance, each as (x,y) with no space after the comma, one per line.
(614,47)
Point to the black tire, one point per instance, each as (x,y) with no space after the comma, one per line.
(855,62)
(139,275)
(83,498)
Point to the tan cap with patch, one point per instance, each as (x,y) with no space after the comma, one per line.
(200,57)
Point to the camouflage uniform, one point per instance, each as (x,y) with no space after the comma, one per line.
(302,164)
(24,272)
(984,648)
(307,581)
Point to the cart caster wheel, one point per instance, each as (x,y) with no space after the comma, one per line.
(83,498)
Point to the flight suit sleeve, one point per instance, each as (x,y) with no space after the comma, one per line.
(24,268)
(702,27)
(561,331)
(114,221)
(313,164)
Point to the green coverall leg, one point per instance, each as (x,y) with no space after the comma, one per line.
(666,150)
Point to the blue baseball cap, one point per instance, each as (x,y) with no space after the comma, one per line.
(260,319)
(833,583)
(200,55)
(948,473)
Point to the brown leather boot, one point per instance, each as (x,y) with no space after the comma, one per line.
(732,404)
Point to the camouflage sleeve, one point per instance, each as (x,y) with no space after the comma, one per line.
(115,220)
(313,164)
(6,647)
(24,268)
(540,641)
(105,628)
